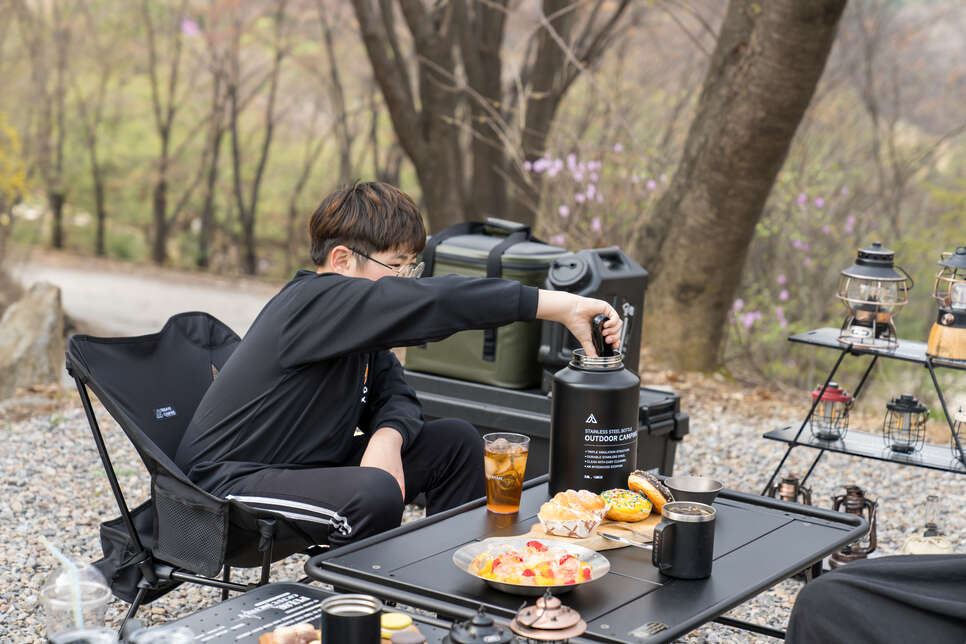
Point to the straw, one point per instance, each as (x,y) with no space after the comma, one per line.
(74,580)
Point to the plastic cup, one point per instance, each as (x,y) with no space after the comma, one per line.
(164,635)
(504,462)
(66,603)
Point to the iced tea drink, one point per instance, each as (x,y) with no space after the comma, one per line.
(504,460)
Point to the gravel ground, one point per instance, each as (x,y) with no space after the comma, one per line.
(51,484)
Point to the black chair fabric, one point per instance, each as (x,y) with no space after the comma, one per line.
(151,385)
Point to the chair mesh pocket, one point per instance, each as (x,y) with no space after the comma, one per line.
(190,527)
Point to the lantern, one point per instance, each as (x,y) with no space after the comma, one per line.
(481,629)
(857,503)
(874,291)
(947,339)
(959,429)
(830,420)
(904,425)
(790,489)
(548,621)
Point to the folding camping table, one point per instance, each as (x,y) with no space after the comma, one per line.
(759,541)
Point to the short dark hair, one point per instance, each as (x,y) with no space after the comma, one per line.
(369,217)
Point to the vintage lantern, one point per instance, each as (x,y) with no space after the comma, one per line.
(874,291)
(481,629)
(904,425)
(947,339)
(830,420)
(857,503)
(959,429)
(790,488)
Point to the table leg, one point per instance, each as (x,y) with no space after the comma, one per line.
(748,626)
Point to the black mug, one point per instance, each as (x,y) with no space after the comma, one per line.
(351,618)
(684,540)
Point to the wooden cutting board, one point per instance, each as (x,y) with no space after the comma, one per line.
(640,531)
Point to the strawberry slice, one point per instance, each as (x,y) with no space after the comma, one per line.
(536,545)
(586,573)
(528,573)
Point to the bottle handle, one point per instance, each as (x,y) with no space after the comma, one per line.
(604,350)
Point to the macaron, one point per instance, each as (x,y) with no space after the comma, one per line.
(393,623)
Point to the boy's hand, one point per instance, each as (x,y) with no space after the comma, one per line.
(576,312)
(383,451)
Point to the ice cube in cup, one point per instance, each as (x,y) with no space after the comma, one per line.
(505,461)
(499,446)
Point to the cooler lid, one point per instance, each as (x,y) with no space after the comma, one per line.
(476,249)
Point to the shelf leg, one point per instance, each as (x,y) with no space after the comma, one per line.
(809,416)
(865,376)
(812,467)
(942,401)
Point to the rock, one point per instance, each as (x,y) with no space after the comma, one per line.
(32,340)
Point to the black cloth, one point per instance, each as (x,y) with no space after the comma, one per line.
(337,505)
(314,366)
(901,599)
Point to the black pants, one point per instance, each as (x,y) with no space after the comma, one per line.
(338,505)
(902,599)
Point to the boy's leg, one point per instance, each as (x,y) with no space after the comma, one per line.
(335,505)
(445,462)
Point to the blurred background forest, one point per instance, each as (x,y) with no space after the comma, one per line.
(202,133)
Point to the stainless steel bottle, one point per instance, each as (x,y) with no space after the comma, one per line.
(593,421)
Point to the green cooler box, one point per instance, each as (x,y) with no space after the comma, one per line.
(504,357)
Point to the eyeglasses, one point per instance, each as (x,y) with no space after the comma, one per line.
(406,270)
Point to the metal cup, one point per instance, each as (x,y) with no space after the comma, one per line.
(684,540)
(351,618)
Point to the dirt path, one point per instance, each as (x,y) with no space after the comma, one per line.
(116,298)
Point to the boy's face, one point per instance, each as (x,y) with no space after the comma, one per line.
(349,263)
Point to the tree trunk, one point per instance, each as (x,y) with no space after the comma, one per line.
(767,62)
(101,212)
(56,200)
(208,209)
(159,251)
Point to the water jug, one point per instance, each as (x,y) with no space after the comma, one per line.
(593,420)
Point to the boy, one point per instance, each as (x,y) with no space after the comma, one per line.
(277,427)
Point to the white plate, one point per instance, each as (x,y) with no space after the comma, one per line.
(462,558)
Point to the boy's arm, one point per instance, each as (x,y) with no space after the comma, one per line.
(392,415)
(340,315)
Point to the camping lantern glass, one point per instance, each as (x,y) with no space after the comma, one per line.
(874,291)
(959,429)
(904,426)
(947,338)
(830,420)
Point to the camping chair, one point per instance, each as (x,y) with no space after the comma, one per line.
(151,385)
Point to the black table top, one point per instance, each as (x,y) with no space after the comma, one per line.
(243,618)
(758,542)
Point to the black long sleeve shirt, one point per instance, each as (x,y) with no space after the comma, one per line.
(315,365)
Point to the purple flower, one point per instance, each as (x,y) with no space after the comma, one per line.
(558,240)
(781,279)
(874,225)
(807,262)
(579,197)
(594,177)
(591,191)
(540,165)
(595,224)
(845,190)
(571,162)
(738,305)
(783,295)
(797,243)
(600,197)
(780,314)
(804,247)
(564,211)
(819,202)
(651,184)
(618,147)
(849,224)
(748,319)
(527,166)
(827,229)
(802,199)
(189,28)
